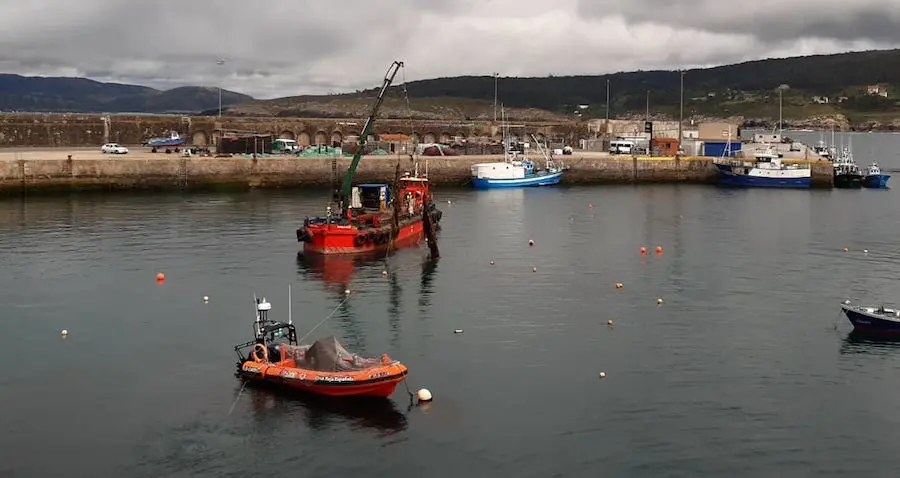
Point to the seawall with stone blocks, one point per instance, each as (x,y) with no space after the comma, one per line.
(28,173)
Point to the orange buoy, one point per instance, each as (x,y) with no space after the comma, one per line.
(160,277)
(643,250)
(659,249)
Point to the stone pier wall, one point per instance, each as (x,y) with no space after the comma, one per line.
(175,172)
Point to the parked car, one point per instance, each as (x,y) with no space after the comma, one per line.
(113,148)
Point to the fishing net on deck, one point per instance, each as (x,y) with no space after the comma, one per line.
(328,355)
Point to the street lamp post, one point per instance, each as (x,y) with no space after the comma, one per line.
(648,105)
(496,76)
(220,62)
(781,89)
(606,125)
(681,112)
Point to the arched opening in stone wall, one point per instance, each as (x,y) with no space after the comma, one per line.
(303,139)
(445,138)
(430,138)
(286,135)
(199,138)
(337,138)
(371,138)
(321,138)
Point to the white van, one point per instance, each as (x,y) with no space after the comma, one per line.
(621,147)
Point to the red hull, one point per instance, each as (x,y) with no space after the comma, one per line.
(337,239)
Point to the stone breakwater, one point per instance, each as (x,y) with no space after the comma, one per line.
(26,173)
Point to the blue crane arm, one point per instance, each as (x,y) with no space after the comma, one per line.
(364,136)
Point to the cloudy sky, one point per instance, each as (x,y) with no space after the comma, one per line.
(275,48)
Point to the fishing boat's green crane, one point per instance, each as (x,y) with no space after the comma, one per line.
(346,189)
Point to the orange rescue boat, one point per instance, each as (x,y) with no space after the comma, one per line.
(323,367)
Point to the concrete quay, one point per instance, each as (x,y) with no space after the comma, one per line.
(47,170)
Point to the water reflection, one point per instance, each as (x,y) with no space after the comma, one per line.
(336,271)
(426,287)
(394,295)
(271,405)
(869,344)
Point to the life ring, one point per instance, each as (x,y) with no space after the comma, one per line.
(359,240)
(265,353)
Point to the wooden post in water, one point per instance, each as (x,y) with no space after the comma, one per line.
(428,225)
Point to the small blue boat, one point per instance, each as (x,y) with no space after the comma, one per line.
(516,173)
(512,174)
(872,320)
(874,178)
(766,170)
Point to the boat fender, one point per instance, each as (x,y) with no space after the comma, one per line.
(265,353)
(359,240)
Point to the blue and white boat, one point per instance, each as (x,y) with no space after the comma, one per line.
(872,319)
(516,172)
(766,170)
(173,140)
(874,178)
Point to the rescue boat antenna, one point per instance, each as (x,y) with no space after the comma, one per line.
(290,321)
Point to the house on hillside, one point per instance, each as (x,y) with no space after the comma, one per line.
(822,100)
(876,90)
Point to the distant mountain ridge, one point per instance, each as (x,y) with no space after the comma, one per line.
(59,94)
(860,87)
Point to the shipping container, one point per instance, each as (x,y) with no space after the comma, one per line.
(716,149)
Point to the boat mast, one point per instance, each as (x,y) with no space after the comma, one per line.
(344,202)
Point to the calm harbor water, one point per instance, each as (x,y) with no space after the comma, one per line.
(740,372)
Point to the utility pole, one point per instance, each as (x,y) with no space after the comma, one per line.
(681,112)
(496,76)
(606,125)
(648,105)
(781,89)
(220,62)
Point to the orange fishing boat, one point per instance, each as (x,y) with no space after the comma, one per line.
(373,217)
(323,367)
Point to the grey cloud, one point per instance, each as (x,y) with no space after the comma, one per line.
(769,21)
(292,47)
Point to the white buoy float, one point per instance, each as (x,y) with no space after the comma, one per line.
(659,301)
(384,273)
(609,322)
(458,331)
(424,395)
(602,374)
(64,332)
(347,292)
(865,251)
(205,298)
